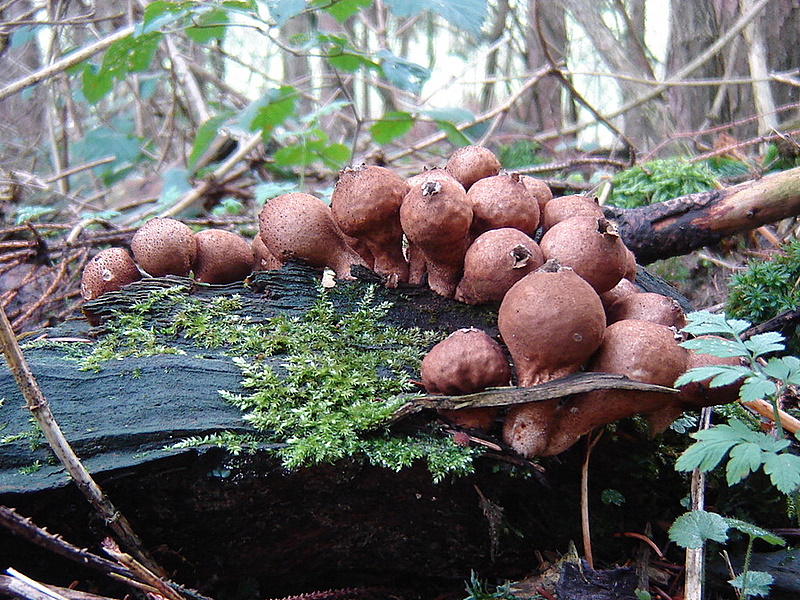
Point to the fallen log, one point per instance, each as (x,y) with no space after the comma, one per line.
(681,225)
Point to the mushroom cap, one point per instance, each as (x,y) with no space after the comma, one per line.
(107,271)
(539,190)
(622,289)
(263,259)
(590,246)
(564,207)
(551,323)
(164,246)
(495,261)
(647,306)
(222,257)
(366,205)
(299,226)
(468,164)
(502,201)
(432,174)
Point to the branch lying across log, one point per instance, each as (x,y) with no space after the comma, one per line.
(684,224)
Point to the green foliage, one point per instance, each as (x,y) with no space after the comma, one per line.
(659,180)
(775,161)
(695,528)
(767,287)
(752,583)
(235,443)
(519,154)
(477,589)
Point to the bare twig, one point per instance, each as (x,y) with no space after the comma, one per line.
(695,557)
(591,442)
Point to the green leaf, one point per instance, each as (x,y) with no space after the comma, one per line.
(753,583)
(269,111)
(716,347)
(693,529)
(335,156)
(730,374)
(703,455)
(764,343)
(283,10)
(454,135)
(785,368)
(131,54)
(754,531)
(784,471)
(756,387)
(344,9)
(206,133)
(95,83)
(209,25)
(745,458)
(402,73)
(465,15)
(710,372)
(269,189)
(31,213)
(160,13)
(610,496)
(391,126)
(175,184)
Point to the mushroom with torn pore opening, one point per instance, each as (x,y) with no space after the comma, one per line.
(436,218)
(564,207)
(299,226)
(502,201)
(469,164)
(108,271)
(366,206)
(590,246)
(222,257)
(164,246)
(495,261)
(465,362)
(647,306)
(551,321)
(642,351)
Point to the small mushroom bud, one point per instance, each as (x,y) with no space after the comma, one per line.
(299,226)
(164,246)
(222,257)
(539,190)
(468,164)
(465,362)
(647,306)
(622,289)
(642,351)
(551,321)
(108,271)
(494,262)
(436,218)
(366,205)
(564,207)
(589,245)
(502,201)
(263,259)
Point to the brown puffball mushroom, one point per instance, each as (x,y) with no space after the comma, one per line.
(299,226)
(589,245)
(551,321)
(164,246)
(468,164)
(432,174)
(539,190)
(647,306)
(436,218)
(622,289)
(465,362)
(494,262)
(222,257)
(263,259)
(642,351)
(631,267)
(366,205)
(564,207)
(502,201)
(107,271)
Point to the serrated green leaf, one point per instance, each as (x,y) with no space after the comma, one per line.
(693,529)
(700,374)
(391,126)
(756,387)
(754,531)
(730,374)
(206,133)
(784,471)
(716,346)
(752,583)
(765,343)
(703,455)
(745,458)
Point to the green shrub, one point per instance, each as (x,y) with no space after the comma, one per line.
(659,180)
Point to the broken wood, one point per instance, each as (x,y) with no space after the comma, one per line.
(681,225)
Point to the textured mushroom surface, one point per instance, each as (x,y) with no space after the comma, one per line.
(164,246)
(107,271)
(222,256)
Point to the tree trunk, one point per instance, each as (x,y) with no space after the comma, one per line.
(684,224)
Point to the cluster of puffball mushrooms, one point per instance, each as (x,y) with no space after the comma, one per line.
(567,303)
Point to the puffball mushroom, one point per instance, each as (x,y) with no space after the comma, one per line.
(299,226)
(551,321)
(465,362)
(432,174)
(164,246)
(468,164)
(495,261)
(502,201)
(589,245)
(622,289)
(564,207)
(642,351)
(222,257)
(107,271)
(539,190)
(263,259)
(436,218)
(366,205)
(647,306)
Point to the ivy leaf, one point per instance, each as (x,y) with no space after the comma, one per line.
(784,471)
(764,343)
(392,125)
(716,347)
(745,458)
(755,532)
(693,529)
(756,387)
(753,583)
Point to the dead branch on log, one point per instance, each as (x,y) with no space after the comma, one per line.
(681,225)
